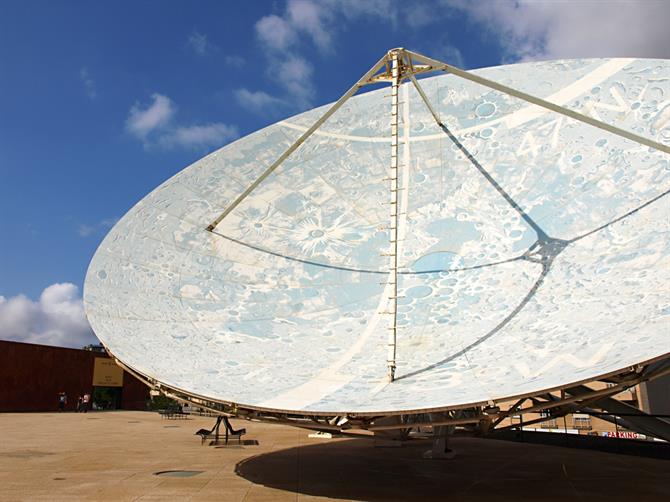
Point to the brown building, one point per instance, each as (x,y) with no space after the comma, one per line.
(31,377)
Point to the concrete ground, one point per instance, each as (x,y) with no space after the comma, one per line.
(114,455)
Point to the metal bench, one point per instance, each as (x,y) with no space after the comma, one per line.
(173,413)
(214,435)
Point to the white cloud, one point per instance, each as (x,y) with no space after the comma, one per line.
(283,36)
(199,136)
(306,16)
(154,125)
(449,54)
(201,45)
(234,61)
(317,20)
(57,318)
(85,230)
(278,36)
(588,28)
(198,42)
(89,83)
(295,74)
(142,121)
(382,9)
(420,15)
(257,101)
(275,33)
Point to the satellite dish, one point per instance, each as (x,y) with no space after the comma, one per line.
(471,238)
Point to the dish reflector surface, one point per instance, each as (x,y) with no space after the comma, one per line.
(282,305)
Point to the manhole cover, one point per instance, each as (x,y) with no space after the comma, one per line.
(178,474)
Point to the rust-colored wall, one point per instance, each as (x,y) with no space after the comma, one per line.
(135,393)
(31,376)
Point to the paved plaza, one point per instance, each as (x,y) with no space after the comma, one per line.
(115,455)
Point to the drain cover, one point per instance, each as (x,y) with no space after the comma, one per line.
(178,474)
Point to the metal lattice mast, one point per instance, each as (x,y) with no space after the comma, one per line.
(395,213)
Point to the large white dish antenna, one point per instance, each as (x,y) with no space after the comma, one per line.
(534,255)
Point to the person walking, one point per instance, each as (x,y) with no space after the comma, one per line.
(85,402)
(62,401)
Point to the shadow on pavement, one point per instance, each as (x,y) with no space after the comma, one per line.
(483,469)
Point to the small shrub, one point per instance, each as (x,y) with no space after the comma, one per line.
(162,402)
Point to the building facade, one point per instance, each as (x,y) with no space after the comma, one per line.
(650,397)
(32,376)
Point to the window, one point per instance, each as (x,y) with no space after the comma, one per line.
(550,423)
(581,422)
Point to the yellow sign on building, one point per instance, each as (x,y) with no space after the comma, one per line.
(106,373)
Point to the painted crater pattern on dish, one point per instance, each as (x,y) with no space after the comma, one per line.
(282,305)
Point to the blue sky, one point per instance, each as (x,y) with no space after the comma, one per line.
(102,101)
